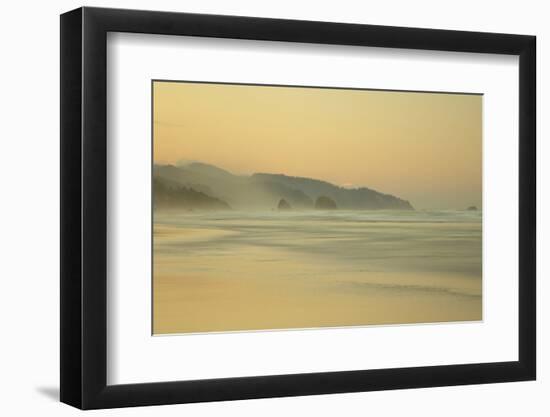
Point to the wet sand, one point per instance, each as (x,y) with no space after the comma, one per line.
(217,272)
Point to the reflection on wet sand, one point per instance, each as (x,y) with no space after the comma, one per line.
(234,271)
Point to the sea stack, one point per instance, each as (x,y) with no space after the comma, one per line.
(283,205)
(325,203)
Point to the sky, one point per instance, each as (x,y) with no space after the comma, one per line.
(422,147)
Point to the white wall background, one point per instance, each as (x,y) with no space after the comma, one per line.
(29,228)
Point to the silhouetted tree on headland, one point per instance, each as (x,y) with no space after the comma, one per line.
(168,195)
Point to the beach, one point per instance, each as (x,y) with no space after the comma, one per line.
(231,270)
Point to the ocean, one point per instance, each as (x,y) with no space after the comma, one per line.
(243,270)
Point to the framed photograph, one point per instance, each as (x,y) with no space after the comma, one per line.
(259,208)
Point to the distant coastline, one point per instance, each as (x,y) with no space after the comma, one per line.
(200,186)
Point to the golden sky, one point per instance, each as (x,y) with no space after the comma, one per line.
(425,148)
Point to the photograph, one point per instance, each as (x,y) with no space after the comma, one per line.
(296,207)
(280,204)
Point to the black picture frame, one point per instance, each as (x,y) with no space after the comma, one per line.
(84,208)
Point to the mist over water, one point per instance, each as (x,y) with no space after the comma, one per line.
(254,270)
